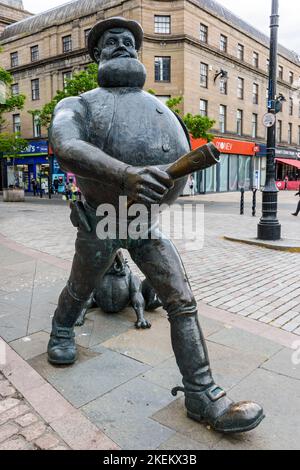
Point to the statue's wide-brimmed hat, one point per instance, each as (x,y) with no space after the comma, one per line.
(114,22)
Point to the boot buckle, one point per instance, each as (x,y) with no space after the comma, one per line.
(215,393)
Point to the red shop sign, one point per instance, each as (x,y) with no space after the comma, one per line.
(237,147)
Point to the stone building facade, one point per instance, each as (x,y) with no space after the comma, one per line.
(194,48)
(10,12)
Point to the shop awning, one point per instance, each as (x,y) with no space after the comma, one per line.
(289,161)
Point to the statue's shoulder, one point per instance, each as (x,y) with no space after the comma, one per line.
(71,102)
(94,95)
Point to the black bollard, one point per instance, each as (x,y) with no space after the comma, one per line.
(242,205)
(254,191)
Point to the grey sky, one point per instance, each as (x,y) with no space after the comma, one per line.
(256,12)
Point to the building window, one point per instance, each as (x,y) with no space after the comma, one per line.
(254,125)
(280,72)
(223,43)
(162,69)
(34,53)
(203,33)
(66,76)
(16,123)
(255,93)
(240,88)
(162,24)
(203,107)
(36,126)
(223,86)
(67,43)
(291,78)
(203,75)
(35,89)
(290,133)
(279,131)
(240,51)
(291,106)
(14,59)
(86,35)
(15,90)
(255,60)
(222,118)
(239,122)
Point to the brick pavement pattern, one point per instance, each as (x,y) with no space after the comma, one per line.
(20,426)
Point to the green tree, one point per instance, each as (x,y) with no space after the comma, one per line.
(199,126)
(81,82)
(12,145)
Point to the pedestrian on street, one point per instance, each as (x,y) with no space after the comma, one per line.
(56,184)
(34,186)
(43,188)
(286,183)
(298,207)
(191,183)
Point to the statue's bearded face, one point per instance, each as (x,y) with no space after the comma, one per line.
(118,60)
(116,43)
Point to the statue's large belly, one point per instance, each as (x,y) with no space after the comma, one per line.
(144,131)
(141,131)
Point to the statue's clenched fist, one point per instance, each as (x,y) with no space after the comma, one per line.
(146,185)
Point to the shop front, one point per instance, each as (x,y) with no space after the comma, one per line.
(32,163)
(287,168)
(236,169)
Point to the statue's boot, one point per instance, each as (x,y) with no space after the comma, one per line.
(205,401)
(61,347)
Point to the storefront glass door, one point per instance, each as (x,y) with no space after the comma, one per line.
(233,172)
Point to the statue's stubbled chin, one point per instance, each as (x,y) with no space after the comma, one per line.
(121,72)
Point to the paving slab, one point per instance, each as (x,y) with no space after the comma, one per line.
(105,326)
(244,341)
(174,417)
(135,399)
(280,397)
(230,366)
(166,374)
(14,326)
(286,362)
(180,442)
(148,346)
(31,346)
(123,414)
(85,381)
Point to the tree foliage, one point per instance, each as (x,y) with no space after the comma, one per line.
(199,126)
(81,82)
(12,144)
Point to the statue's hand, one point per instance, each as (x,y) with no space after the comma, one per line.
(146,185)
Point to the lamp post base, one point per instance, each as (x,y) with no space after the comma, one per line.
(269,227)
(270,231)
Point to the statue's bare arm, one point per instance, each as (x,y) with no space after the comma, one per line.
(69,138)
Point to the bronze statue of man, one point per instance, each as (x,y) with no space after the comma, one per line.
(118,140)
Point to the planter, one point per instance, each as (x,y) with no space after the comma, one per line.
(13,195)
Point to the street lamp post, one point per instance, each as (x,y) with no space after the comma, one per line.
(269,227)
